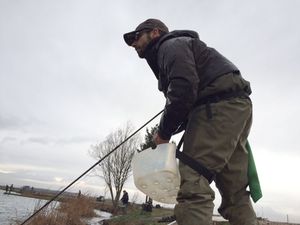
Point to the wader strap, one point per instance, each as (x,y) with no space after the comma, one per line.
(187,160)
(219,97)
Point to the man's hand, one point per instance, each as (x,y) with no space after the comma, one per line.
(158,140)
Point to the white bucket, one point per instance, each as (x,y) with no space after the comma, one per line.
(155,173)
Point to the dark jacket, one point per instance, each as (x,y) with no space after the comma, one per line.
(184,66)
(125,198)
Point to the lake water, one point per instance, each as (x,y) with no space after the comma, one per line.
(14,207)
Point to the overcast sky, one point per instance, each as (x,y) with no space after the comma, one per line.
(67,79)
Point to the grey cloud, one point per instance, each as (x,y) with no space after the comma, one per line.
(10,122)
(39,140)
(7,139)
(16,121)
(60,141)
(74,140)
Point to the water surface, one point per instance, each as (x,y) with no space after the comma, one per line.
(14,207)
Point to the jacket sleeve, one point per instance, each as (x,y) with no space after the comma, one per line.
(177,62)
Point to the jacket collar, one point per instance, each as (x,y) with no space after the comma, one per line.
(152,48)
(151,55)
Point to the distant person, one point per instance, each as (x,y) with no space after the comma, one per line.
(125,198)
(11,188)
(124,201)
(6,189)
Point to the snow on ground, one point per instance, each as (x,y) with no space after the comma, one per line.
(100,216)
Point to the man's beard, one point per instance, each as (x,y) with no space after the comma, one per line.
(141,53)
(142,50)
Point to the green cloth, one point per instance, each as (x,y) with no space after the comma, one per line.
(254,185)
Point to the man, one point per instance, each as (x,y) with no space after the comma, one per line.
(124,201)
(207,93)
(125,198)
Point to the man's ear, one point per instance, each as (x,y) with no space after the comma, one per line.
(155,33)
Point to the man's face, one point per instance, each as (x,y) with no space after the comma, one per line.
(142,39)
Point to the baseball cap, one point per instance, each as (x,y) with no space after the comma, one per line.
(149,24)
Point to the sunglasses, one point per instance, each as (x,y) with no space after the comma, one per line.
(135,35)
(139,33)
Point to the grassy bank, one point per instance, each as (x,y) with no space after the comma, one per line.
(133,214)
(69,212)
(138,217)
(75,211)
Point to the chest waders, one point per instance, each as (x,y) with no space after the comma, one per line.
(254,184)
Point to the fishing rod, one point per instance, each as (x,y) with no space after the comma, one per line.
(88,170)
